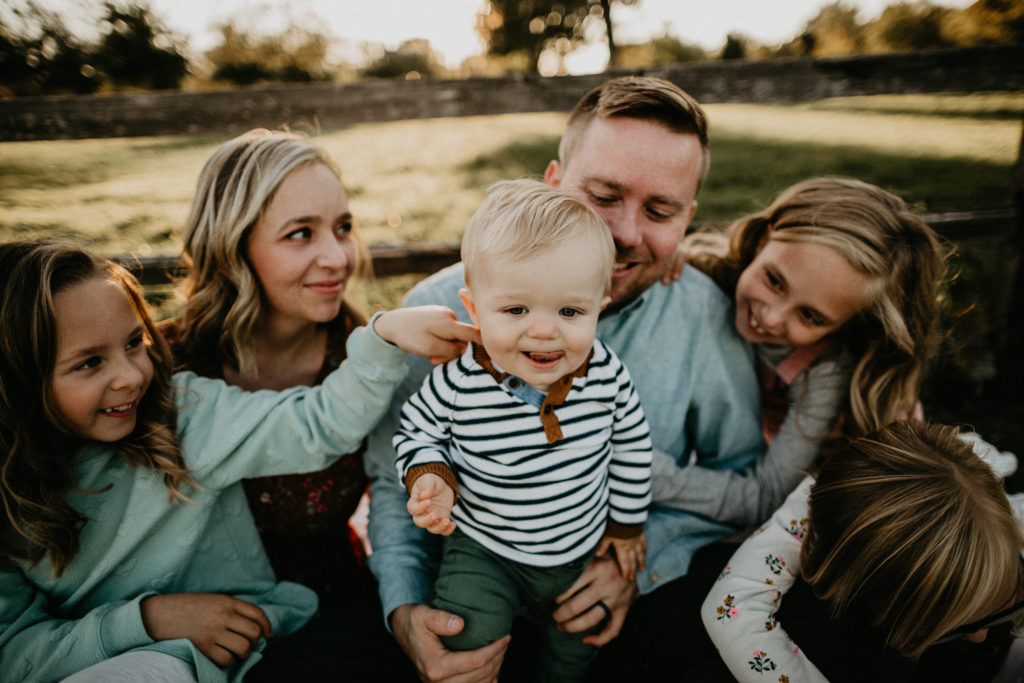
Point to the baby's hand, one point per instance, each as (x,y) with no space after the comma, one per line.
(675,266)
(430,503)
(223,628)
(629,553)
(431,331)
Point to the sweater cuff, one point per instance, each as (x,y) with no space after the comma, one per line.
(122,629)
(616,530)
(440,469)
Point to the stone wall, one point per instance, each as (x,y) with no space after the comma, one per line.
(330,105)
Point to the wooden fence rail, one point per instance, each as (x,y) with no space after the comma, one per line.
(424,259)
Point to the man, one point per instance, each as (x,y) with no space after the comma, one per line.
(636,150)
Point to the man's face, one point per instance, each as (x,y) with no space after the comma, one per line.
(642,178)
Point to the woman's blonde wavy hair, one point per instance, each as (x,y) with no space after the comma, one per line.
(892,340)
(911,530)
(36,447)
(222,296)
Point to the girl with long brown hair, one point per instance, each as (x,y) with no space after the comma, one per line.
(124,541)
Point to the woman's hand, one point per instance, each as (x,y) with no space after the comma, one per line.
(223,628)
(431,331)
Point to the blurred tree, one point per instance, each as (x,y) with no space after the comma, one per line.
(606,14)
(295,55)
(908,26)
(834,31)
(413,59)
(735,47)
(663,50)
(136,50)
(987,22)
(39,55)
(529,27)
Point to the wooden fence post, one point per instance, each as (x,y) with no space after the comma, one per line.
(1010,340)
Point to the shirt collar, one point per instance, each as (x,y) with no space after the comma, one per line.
(555,397)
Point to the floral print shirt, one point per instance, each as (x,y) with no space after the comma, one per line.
(739,612)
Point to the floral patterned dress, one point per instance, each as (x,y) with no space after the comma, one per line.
(739,612)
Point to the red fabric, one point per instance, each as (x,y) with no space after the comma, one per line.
(775,385)
(303,518)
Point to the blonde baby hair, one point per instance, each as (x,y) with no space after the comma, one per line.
(519,218)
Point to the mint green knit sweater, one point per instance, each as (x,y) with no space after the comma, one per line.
(136,543)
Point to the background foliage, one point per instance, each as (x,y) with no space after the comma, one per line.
(39,55)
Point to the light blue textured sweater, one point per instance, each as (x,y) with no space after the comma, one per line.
(136,543)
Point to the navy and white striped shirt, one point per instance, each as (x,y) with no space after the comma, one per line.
(534,502)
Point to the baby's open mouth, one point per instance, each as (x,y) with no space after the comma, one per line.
(544,357)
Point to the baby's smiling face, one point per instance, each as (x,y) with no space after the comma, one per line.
(538,315)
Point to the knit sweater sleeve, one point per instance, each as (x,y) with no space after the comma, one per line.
(37,646)
(739,611)
(629,472)
(747,496)
(424,428)
(229,434)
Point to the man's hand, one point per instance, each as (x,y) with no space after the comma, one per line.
(578,610)
(223,628)
(417,628)
(431,501)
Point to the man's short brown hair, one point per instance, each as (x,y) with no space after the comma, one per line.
(638,97)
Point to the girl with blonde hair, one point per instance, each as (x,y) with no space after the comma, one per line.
(836,285)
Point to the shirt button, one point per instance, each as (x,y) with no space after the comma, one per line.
(654,577)
(514,383)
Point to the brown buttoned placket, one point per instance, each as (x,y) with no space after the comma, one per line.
(556,395)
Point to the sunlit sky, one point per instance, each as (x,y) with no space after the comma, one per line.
(449,24)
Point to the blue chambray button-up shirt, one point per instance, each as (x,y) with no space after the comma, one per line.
(696,380)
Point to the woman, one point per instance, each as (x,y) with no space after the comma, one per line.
(270,251)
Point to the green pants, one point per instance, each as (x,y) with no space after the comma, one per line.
(488,591)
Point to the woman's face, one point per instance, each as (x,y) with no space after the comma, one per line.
(302,249)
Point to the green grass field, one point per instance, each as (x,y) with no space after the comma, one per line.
(415,181)
(420,180)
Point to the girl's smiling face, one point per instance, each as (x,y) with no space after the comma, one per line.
(102,367)
(796,293)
